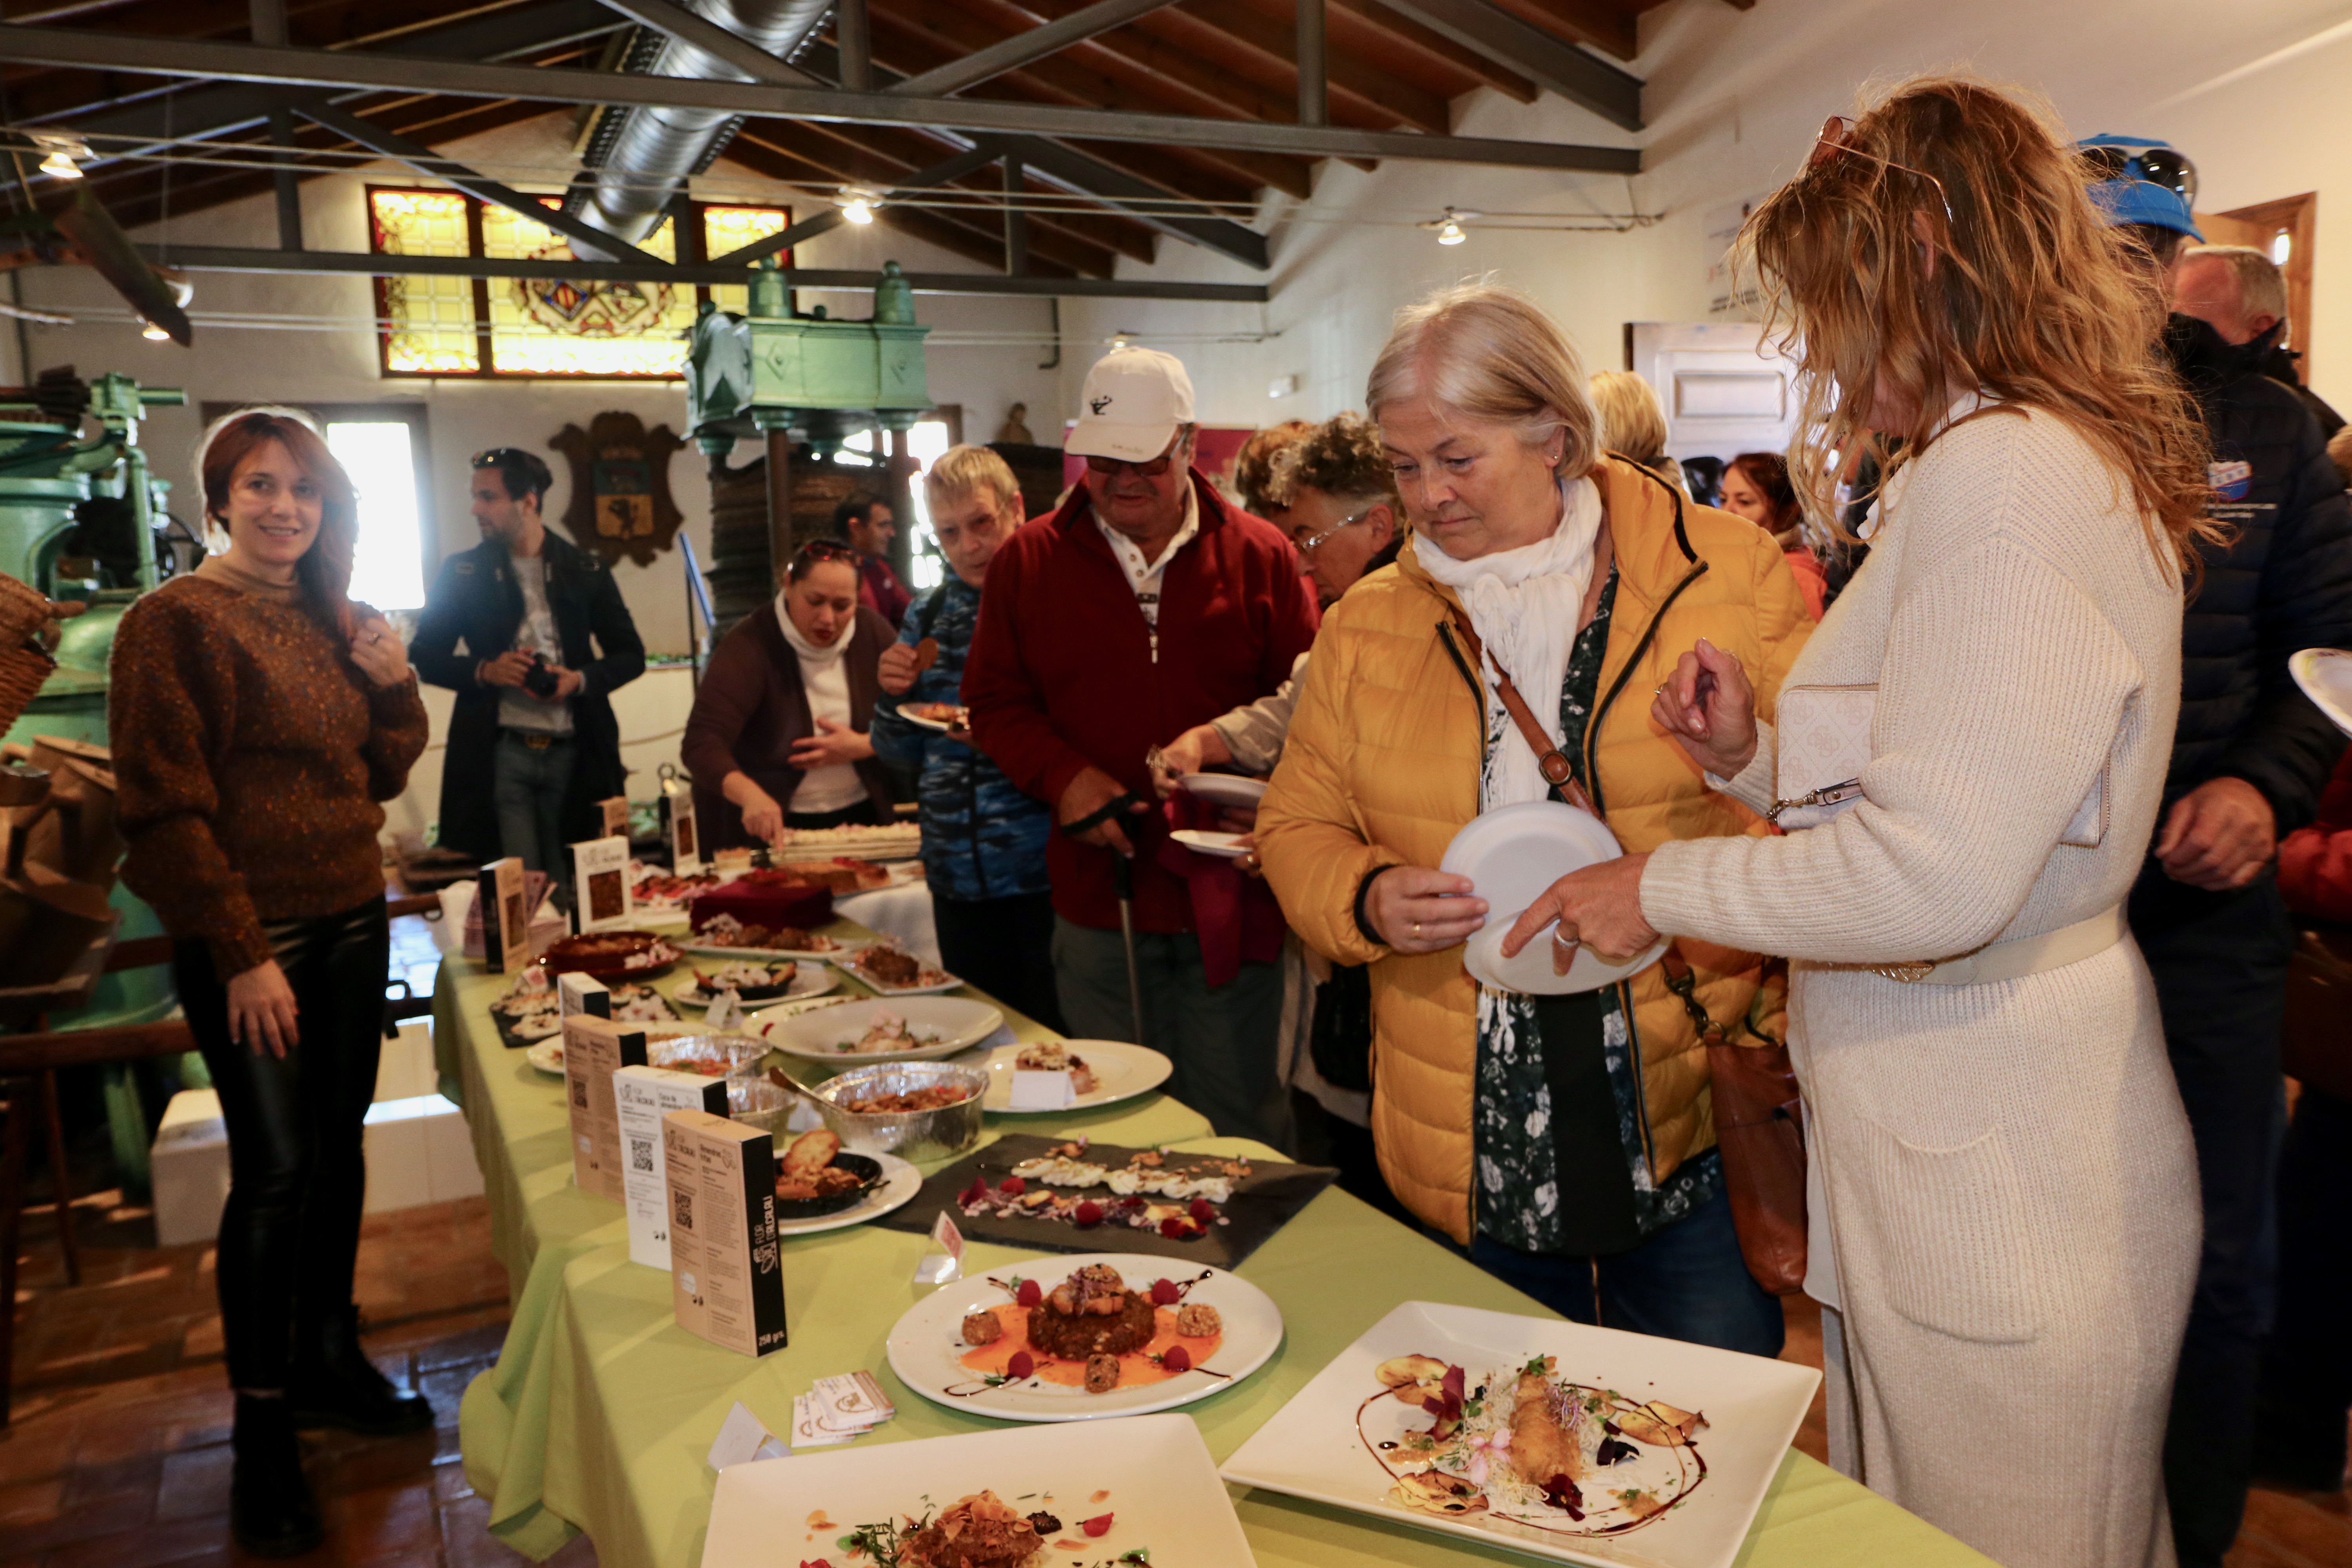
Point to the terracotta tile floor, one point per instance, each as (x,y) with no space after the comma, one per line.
(117,1455)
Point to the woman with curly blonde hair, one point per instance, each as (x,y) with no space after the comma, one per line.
(2005,1213)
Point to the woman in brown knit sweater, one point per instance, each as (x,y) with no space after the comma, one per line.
(257,718)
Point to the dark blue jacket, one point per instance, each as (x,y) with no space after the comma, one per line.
(983,838)
(476,601)
(2283,583)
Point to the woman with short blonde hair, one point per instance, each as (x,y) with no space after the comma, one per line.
(1633,423)
(1565,1143)
(2005,1205)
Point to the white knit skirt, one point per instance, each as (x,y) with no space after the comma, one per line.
(2013,1199)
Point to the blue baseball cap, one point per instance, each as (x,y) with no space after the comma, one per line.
(2147,181)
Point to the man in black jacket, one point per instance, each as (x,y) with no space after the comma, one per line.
(532,742)
(2249,761)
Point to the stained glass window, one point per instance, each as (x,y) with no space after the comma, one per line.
(429,322)
(537,327)
(726,229)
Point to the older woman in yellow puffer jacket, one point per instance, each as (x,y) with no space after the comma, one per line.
(1565,1143)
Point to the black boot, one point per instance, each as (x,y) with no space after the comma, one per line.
(271,1511)
(335,1385)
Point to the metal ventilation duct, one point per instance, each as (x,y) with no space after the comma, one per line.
(656,149)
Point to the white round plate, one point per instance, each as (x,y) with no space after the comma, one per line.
(1225,789)
(1121,1072)
(900,1181)
(1225,846)
(1511,854)
(805,955)
(2326,675)
(809,979)
(815,1035)
(547,1055)
(927,1347)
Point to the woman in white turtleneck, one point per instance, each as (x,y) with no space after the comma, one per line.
(1566,1143)
(777,738)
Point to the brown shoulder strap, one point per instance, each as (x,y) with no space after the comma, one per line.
(1556,770)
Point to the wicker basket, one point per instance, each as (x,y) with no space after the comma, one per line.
(25,663)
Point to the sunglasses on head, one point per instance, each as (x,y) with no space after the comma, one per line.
(818,550)
(492,456)
(2159,167)
(1835,142)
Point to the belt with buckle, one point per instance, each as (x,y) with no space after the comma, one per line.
(537,740)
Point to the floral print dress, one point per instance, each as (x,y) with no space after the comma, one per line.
(1527,1045)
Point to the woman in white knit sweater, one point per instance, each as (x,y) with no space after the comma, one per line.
(2006,1205)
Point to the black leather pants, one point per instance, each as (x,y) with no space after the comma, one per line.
(290,1235)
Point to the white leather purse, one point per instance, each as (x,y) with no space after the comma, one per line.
(1823,739)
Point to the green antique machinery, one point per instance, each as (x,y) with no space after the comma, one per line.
(78,521)
(787,376)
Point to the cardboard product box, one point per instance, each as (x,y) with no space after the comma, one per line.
(599,872)
(615,814)
(594,1050)
(506,915)
(685,841)
(581,995)
(727,1280)
(643,1096)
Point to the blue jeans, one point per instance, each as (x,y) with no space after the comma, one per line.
(528,788)
(1686,1282)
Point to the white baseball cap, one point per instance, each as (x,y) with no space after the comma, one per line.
(1135,399)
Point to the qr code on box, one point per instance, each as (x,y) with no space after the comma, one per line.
(641,1154)
(681,1207)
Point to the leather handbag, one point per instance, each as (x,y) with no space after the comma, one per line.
(1758,1119)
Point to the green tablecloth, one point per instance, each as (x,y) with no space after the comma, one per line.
(601,1410)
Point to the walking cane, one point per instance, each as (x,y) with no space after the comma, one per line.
(1123,880)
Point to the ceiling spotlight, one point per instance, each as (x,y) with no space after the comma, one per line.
(858,203)
(153,333)
(62,151)
(1449,229)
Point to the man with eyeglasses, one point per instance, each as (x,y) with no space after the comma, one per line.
(1146,605)
(532,742)
(2250,758)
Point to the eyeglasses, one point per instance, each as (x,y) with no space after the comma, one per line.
(2159,167)
(1310,546)
(1833,142)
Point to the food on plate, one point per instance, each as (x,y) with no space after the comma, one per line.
(635,1004)
(888,1032)
(839,876)
(889,968)
(1053,1056)
(936,1097)
(752,982)
(808,1171)
(953,714)
(726,930)
(1527,1445)
(1193,1192)
(977,1531)
(1197,1320)
(656,886)
(851,837)
(1092,1313)
(1090,1332)
(603,953)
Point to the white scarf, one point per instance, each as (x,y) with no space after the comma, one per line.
(808,648)
(1524,604)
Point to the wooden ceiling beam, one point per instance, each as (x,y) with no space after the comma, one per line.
(1084,256)
(1605,26)
(913,47)
(1399,44)
(1230,36)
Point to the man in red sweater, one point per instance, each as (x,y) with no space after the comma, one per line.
(1145,605)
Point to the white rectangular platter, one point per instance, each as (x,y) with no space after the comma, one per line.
(1322,1445)
(1164,1493)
